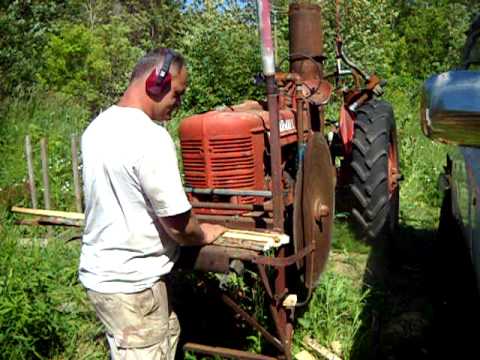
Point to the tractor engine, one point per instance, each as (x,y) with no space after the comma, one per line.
(229,149)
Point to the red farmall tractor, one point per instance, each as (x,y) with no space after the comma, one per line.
(271,165)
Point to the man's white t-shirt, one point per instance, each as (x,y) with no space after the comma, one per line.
(131,177)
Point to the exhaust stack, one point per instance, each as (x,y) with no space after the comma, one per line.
(306,40)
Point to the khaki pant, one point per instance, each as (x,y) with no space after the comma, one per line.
(140,325)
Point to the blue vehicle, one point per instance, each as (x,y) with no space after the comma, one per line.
(450,114)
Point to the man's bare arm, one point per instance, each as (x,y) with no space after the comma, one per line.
(185,229)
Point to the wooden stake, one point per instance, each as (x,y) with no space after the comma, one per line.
(76,176)
(46,182)
(31,174)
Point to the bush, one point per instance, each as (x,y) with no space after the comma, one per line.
(90,64)
(43,309)
(430,38)
(223,55)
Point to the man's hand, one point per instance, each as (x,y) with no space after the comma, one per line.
(211,232)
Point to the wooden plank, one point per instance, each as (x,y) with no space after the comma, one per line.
(252,240)
(304,355)
(76,175)
(46,181)
(54,213)
(263,236)
(50,220)
(31,174)
(320,350)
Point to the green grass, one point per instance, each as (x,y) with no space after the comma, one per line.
(334,313)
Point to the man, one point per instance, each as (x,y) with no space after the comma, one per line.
(136,212)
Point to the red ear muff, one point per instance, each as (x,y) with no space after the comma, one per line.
(155,89)
(159,82)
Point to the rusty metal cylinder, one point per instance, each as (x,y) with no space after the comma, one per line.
(306,40)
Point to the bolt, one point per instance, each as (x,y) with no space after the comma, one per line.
(321,211)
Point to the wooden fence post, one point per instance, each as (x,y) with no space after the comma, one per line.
(46,181)
(31,174)
(76,176)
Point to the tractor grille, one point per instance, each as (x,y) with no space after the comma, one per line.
(233,165)
(194,163)
(231,145)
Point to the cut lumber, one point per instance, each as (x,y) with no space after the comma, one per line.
(252,240)
(304,355)
(49,220)
(242,239)
(54,213)
(320,350)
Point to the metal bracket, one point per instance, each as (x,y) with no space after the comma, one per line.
(284,261)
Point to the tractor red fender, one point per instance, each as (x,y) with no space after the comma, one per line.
(347,120)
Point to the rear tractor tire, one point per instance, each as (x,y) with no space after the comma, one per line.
(375,169)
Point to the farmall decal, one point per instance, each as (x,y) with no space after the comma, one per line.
(286,125)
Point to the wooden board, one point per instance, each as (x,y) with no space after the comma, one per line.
(252,240)
(53,213)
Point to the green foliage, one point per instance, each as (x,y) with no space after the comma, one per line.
(429,37)
(82,48)
(40,115)
(421,160)
(92,64)
(43,312)
(216,76)
(23,26)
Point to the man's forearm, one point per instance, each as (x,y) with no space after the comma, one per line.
(190,234)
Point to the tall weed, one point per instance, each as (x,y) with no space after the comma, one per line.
(43,309)
(333,314)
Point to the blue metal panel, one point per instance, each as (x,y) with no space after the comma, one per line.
(472,229)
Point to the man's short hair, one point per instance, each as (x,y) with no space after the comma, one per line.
(154,58)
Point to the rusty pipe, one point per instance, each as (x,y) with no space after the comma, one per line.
(224,352)
(306,40)
(265,30)
(229,206)
(268,60)
(276,154)
(228,192)
(252,322)
(235,218)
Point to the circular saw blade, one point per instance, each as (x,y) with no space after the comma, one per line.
(314,208)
